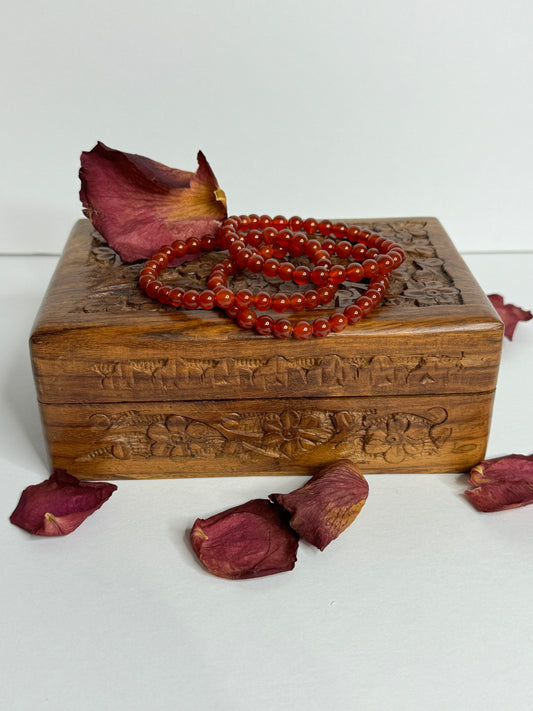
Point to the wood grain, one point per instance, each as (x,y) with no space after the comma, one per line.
(99,343)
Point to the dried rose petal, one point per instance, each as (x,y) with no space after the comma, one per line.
(509,314)
(324,507)
(502,483)
(139,205)
(247,541)
(60,504)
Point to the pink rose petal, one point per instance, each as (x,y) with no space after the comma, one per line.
(327,504)
(509,314)
(502,483)
(60,504)
(247,541)
(139,205)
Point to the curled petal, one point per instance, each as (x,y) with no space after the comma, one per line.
(509,314)
(247,541)
(139,205)
(324,507)
(60,504)
(502,483)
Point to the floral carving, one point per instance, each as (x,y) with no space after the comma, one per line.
(421,281)
(288,435)
(292,433)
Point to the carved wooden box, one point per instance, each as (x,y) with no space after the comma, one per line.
(130,388)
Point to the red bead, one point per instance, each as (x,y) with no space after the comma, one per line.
(255,220)
(353,313)
(279,222)
(263,325)
(311,247)
(397,257)
(311,299)
(337,274)
(266,251)
(243,298)
(216,280)
(163,293)
(232,311)
(344,249)
(370,267)
(243,257)
(301,275)
(174,296)
(282,328)
(365,304)
(224,298)
(180,248)
(297,301)
(321,327)
(352,233)
(297,245)
(279,251)
(168,251)
(206,299)
(364,235)
(310,226)
(339,229)
(190,299)
(302,330)
(193,245)
(354,272)
(319,275)
(329,246)
(321,254)
(285,271)
(152,288)
(265,221)
(262,301)
(270,267)
(326,294)
(280,302)
(208,243)
(338,322)
(255,263)
(374,296)
(246,318)
(385,263)
(372,253)
(296,223)
(325,227)
(269,235)
(152,265)
(244,222)
(235,248)
(144,280)
(254,238)
(358,251)
(284,238)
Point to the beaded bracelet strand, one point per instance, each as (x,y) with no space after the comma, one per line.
(258,244)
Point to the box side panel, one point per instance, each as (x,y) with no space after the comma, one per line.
(292,436)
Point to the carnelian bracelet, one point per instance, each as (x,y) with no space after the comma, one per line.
(258,244)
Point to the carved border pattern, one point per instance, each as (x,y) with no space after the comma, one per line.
(378,374)
(421,281)
(288,435)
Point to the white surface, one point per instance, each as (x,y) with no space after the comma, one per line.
(423,603)
(345,108)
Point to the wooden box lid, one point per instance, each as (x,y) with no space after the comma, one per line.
(99,338)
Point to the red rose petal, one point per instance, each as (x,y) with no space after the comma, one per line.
(139,205)
(60,504)
(509,314)
(247,541)
(324,507)
(502,483)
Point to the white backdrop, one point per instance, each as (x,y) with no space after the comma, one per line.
(341,108)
